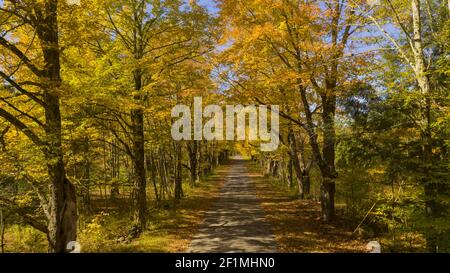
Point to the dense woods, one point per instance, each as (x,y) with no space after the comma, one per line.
(88,87)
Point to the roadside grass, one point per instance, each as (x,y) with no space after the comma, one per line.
(297,224)
(171,224)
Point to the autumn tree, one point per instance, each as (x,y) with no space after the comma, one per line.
(137,47)
(412,29)
(32,79)
(299,47)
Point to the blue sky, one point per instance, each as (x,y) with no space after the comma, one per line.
(211,5)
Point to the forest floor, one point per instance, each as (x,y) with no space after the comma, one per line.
(171,225)
(297,224)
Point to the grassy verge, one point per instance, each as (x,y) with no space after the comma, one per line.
(171,225)
(296,224)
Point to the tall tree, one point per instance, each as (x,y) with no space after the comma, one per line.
(150,38)
(297,48)
(412,29)
(31,68)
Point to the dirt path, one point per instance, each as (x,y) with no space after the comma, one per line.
(236,222)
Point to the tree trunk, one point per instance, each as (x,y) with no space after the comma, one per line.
(115,172)
(151,166)
(178,172)
(85,194)
(274,168)
(138,150)
(293,153)
(290,173)
(62,202)
(328,169)
(306,181)
(420,71)
(327,193)
(2,231)
(193,162)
